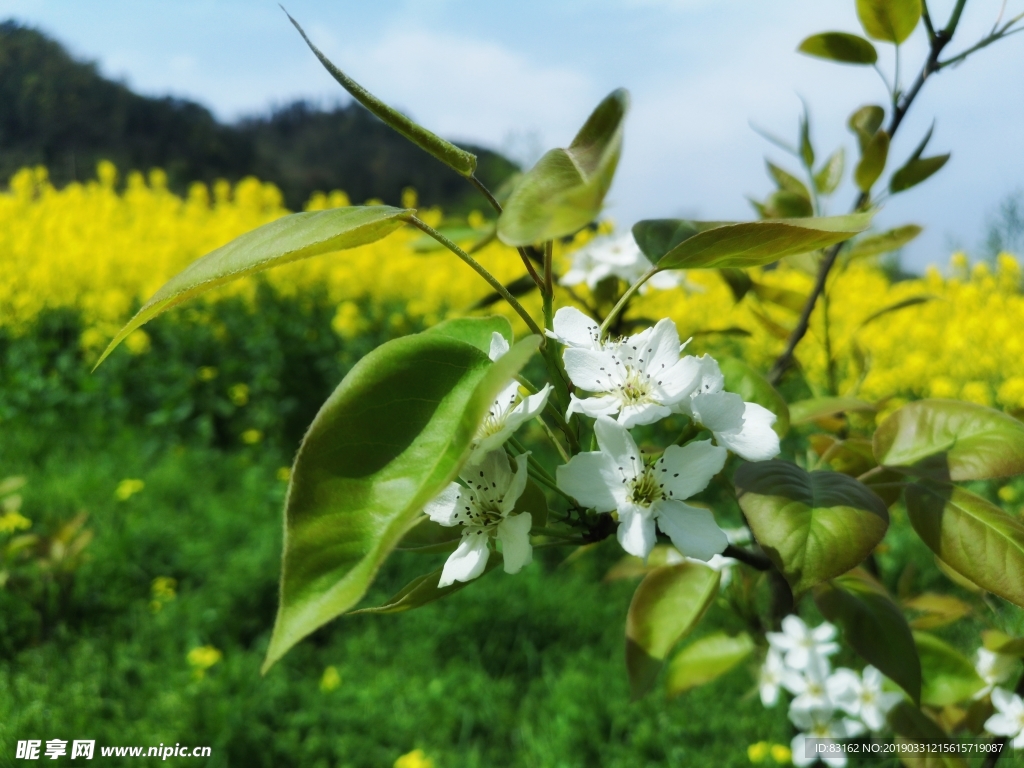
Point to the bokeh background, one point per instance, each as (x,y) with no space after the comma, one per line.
(140,520)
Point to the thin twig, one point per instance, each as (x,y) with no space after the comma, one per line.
(480,270)
(482,188)
(625,299)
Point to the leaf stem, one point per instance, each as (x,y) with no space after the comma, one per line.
(625,299)
(548,289)
(482,188)
(480,270)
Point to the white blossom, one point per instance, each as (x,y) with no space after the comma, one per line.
(483,507)
(993,668)
(641,378)
(508,412)
(862,696)
(801,645)
(1009,717)
(743,428)
(774,675)
(820,724)
(618,257)
(809,686)
(644,493)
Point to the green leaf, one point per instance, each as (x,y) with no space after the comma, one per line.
(784,204)
(787,181)
(564,191)
(972,536)
(872,161)
(665,607)
(806,148)
(883,242)
(474,330)
(971,441)
(874,625)
(912,301)
(947,675)
(290,238)
(814,526)
(457,234)
(744,381)
(706,659)
(392,435)
(865,123)
(745,244)
(656,237)
(805,411)
(423,590)
(889,20)
(916,171)
(852,456)
(827,179)
(840,46)
(458,159)
(739,282)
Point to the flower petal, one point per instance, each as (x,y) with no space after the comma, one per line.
(636,531)
(591,369)
(468,560)
(662,351)
(606,405)
(590,478)
(755,440)
(616,441)
(718,411)
(445,507)
(490,477)
(516,484)
(693,530)
(575,329)
(514,535)
(644,413)
(673,384)
(499,346)
(687,470)
(711,378)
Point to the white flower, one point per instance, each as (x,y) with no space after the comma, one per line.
(484,509)
(1009,718)
(607,257)
(862,696)
(574,329)
(640,378)
(809,687)
(617,478)
(993,668)
(801,645)
(743,428)
(773,676)
(819,724)
(508,412)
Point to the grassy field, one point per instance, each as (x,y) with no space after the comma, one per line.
(513,672)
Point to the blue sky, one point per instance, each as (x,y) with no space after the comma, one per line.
(523,77)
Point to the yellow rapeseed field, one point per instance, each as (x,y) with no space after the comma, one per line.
(102,248)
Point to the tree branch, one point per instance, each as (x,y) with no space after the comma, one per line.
(754,559)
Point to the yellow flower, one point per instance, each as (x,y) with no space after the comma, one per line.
(164,588)
(415,759)
(13,521)
(252,436)
(128,488)
(330,679)
(207,373)
(239,394)
(202,658)
(757,753)
(284,474)
(1008,493)
(781,754)
(137,342)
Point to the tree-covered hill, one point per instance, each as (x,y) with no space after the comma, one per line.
(61,113)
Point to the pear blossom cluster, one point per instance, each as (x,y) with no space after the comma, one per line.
(826,703)
(619,257)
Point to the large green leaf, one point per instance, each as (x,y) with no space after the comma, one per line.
(916,171)
(948,676)
(564,191)
(392,435)
(840,46)
(972,536)
(474,330)
(706,659)
(290,238)
(458,159)
(804,411)
(665,607)
(874,626)
(423,590)
(883,242)
(744,381)
(743,244)
(813,525)
(889,20)
(872,161)
(970,442)
(783,204)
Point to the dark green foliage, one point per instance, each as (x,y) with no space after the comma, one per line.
(61,113)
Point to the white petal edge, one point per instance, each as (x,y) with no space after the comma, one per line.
(514,535)
(468,560)
(444,507)
(755,440)
(693,530)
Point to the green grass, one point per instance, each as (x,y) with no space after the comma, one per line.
(514,671)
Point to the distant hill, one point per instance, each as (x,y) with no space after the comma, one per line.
(63,114)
